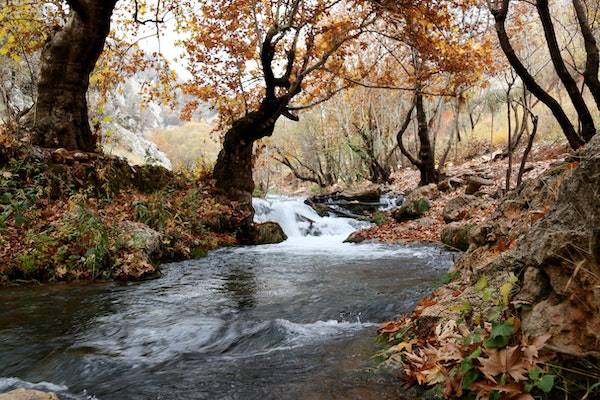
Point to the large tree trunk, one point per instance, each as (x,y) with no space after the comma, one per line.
(429,174)
(567,127)
(588,130)
(60,116)
(233,170)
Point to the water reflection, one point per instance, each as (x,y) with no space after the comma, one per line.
(241,286)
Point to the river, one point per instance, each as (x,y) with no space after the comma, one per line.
(295,320)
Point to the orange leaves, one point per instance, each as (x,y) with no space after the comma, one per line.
(393,326)
(460,359)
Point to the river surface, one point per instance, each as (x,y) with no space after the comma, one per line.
(290,321)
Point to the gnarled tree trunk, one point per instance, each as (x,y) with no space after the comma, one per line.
(233,169)
(60,116)
(592,64)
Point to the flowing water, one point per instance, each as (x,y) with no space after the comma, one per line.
(289,321)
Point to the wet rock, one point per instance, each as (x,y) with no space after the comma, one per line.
(411,209)
(28,394)
(457,235)
(458,208)
(269,233)
(355,237)
(347,203)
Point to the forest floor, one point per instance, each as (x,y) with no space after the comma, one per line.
(83,216)
(428,227)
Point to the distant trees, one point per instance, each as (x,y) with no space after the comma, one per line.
(431,51)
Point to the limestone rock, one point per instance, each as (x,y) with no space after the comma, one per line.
(429,192)
(354,237)
(269,233)
(135,235)
(457,235)
(475,183)
(545,233)
(141,248)
(411,209)
(458,208)
(450,184)
(28,394)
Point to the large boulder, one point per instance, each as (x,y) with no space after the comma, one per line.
(458,208)
(268,233)
(457,235)
(139,236)
(28,394)
(411,209)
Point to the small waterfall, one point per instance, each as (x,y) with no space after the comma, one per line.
(389,201)
(299,220)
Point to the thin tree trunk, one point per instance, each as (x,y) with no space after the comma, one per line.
(429,173)
(60,116)
(509,142)
(588,130)
(567,127)
(534,120)
(591,48)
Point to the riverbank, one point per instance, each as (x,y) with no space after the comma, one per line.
(466,197)
(85,216)
(518,316)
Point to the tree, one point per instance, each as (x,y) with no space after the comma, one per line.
(253,58)
(70,39)
(500,10)
(60,115)
(435,53)
(590,73)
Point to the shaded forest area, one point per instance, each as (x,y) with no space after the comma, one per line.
(479,117)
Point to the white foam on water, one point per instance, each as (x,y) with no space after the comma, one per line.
(15,383)
(12,383)
(299,220)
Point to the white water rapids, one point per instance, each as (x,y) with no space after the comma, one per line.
(294,320)
(301,223)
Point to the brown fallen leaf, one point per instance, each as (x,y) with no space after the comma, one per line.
(506,361)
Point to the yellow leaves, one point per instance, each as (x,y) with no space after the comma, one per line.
(403,346)
(506,288)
